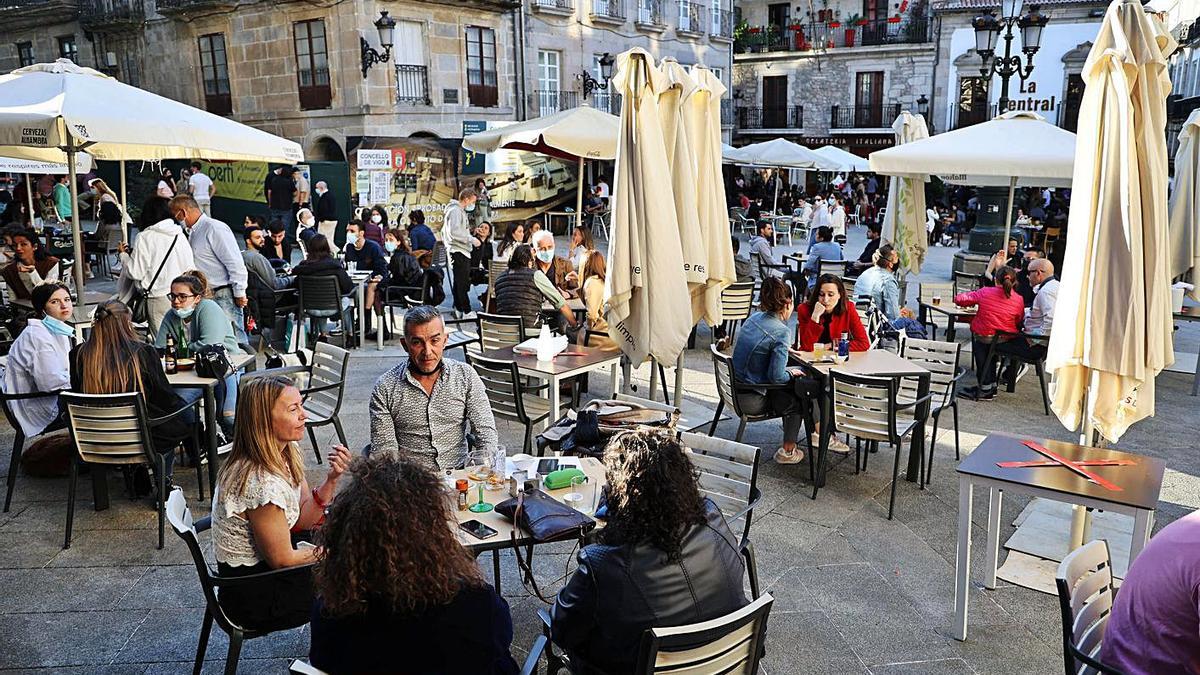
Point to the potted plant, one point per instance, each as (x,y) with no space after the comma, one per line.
(894,19)
(854,21)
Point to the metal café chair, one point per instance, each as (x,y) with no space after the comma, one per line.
(1085,597)
(941,359)
(18,447)
(508,395)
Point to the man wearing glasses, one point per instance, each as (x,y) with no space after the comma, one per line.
(218,256)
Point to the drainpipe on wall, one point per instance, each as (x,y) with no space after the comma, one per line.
(519,59)
(937,57)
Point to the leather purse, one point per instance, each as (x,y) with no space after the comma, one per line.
(545,519)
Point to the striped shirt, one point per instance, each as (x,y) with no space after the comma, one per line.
(431,426)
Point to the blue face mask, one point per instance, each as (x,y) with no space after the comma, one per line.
(469,208)
(57,327)
(185,312)
(390,246)
(546,256)
(351,238)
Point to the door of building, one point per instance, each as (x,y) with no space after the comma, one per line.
(1070,113)
(774,102)
(868,100)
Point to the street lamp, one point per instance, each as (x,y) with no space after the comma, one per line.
(987,31)
(386,27)
(923,111)
(591,83)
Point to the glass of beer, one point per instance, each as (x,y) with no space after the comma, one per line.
(936,299)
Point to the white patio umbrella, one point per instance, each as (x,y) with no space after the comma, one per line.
(780,153)
(904,220)
(847,161)
(28,167)
(1014,149)
(1112,326)
(673,106)
(704,127)
(1185,205)
(574,135)
(54,111)
(646,287)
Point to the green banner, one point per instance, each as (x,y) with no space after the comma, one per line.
(237,179)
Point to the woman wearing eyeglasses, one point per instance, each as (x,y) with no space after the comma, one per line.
(194,321)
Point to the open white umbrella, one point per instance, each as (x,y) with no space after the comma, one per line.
(646,286)
(904,220)
(55,111)
(575,135)
(846,161)
(1112,324)
(780,153)
(1185,206)
(1014,149)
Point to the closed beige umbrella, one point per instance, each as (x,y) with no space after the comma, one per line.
(704,128)
(1112,324)
(1185,206)
(646,289)
(673,105)
(904,221)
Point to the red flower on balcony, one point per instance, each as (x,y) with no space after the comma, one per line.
(893,19)
(755,31)
(835,24)
(795,26)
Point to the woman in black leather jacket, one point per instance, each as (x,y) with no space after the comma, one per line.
(665,558)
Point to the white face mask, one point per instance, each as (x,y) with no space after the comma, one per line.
(376,219)
(308,222)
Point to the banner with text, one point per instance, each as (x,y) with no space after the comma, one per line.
(237,179)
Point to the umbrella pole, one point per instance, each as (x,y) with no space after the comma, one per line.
(679,381)
(775,206)
(579,197)
(1012,188)
(29,197)
(124,209)
(76,233)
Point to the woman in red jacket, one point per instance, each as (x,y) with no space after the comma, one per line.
(1000,309)
(827,314)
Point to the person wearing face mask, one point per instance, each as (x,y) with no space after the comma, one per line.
(325,209)
(195,320)
(38,360)
(456,234)
(368,256)
(375,225)
(558,270)
(162,253)
(218,256)
(523,289)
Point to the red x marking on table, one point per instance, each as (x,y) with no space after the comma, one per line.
(1076,467)
(1049,462)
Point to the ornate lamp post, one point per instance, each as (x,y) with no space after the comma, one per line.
(923,111)
(591,83)
(386,27)
(988,29)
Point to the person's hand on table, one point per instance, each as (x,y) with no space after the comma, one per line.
(377,278)
(906,313)
(796,372)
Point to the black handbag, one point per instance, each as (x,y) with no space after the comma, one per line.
(212,361)
(545,519)
(139,304)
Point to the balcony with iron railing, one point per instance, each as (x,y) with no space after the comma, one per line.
(170,7)
(99,14)
(863,116)
(550,101)
(412,84)
(691,18)
(608,11)
(607,101)
(825,35)
(649,15)
(775,117)
(554,6)
(722,24)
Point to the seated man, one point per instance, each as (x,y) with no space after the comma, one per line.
(823,248)
(1040,317)
(762,258)
(741,263)
(557,269)
(425,404)
(278,250)
(524,289)
(867,259)
(880,285)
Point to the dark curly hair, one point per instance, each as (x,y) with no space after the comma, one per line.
(653,496)
(386,540)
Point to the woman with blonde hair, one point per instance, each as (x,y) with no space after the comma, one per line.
(595,269)
(110,213)
(380,596)
(260,499)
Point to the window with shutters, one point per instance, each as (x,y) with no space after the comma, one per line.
(312,65)
(25,53)
(482,89)
(214,71)
(68,48)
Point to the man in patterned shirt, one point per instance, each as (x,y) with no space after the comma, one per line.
(424,404)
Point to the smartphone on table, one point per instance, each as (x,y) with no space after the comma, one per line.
(477,529)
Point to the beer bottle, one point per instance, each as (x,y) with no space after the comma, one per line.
(172,365)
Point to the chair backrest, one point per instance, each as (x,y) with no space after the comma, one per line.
(728,475)
(500,331)
(1085,595)
(502,382)
(495,269)
(108,428)
(865,407)
(439,256)
(835,267)
(926,291)
(869,318)
(180,518)
(731,644)
(723,370)
(319,293)
(758,269)
(965,282)
(940,359)
(737,301)
(329,366)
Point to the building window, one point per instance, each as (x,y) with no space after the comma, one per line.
(312,65)
(214,70)
(482,89)
(25,54)
(67,48)
(1071,103)
(868,99)
(972,101)
(548,81)
(412,76)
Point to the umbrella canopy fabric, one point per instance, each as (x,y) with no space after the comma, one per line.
(904,221)
(47,106)
(569,134)
(847,161)
(673,105)
(704,127)
(1185,206)
(645,262)
(1021,144)
(1112,324)
(82,165)
(782,153)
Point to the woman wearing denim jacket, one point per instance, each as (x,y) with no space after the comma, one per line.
(760,356)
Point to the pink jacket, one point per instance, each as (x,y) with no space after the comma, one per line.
(996,312)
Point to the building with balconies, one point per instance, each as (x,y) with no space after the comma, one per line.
(838,75)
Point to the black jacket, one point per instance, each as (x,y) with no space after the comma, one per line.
(326,207)
(159,396)
(618,592)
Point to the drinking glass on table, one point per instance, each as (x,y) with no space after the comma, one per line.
(936,299)
(495,481)
(351,266)
(582,496)
(479,465)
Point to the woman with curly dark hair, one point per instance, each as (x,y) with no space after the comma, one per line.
(665,558)
(395,588)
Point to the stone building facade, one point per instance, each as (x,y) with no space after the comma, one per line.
(839,75)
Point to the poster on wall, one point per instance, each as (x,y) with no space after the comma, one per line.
(237,179)
(521,185)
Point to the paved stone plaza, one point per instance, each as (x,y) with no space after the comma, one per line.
(854,593)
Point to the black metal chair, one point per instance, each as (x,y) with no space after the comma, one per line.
(19,435)
(212,584)
(1039,364)
(508,395)
(319,297)
(1085,596)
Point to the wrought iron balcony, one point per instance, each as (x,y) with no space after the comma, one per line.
(691,17)
(99,14)
(550,101)
(863,116)
(558,6)
(608,10)
(649,13)
(823,35)
(775,117)
(412,84)
(608,101)
(170,7)
(722,23)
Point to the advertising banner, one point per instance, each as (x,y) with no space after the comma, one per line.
(237,179)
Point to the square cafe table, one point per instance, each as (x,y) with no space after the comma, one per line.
(188,379)
(948,309)
(561,368)
(872,363)
(1140,483)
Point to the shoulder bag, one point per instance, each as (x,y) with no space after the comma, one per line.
(545,519)
(139,304)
